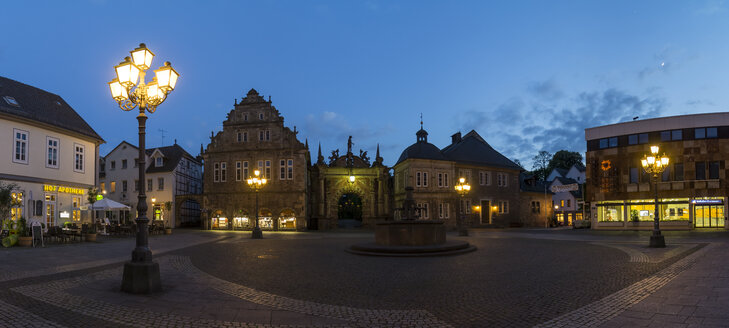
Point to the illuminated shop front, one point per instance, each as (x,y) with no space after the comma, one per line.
(242,222)
(287,220)
(220,222)
(677,213)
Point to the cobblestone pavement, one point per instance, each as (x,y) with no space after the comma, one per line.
(517,278)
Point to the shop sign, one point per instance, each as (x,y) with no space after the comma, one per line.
(62,189)
(565,188)
(64,215)
(707,202)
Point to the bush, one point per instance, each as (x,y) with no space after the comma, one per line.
(23,230)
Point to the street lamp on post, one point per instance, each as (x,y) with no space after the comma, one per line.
(256,183)
(141,275)
(462,188)
(655,165)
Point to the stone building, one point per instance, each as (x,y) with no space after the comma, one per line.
(254,138)
(494,198)
(692,192)
(348,191)
(535,209)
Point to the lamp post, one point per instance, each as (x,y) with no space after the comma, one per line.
(141,275)
(655,165)
(462,188)
(256,183)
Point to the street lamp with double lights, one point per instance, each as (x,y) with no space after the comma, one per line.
(141,275)
(655,165)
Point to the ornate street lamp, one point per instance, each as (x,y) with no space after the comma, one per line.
(141,275)
(256,183)
(655,165)
(462,188)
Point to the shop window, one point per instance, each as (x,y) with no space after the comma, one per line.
(610,213)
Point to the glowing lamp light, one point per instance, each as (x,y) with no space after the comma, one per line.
(126,73)
(154,200)
(664,161)
(166,77)
(644,162)
(654,149)
(650,160)
(99,197)
(153,90)
(142,57)
(118,92)
(494,208)
(462,180)
(351,178)
(256,172)
(556,207)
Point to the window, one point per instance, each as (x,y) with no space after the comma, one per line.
(158,161)
(440,179)
(245,170)
(569,201)
(52,161)
(240,137)
(223,171)
(245,117)
(502,179)
(536,207)
(423,207)
(678,172)
(124,185)
(666,176)
(482,178)
(443,210)
(643,138)
(418,179)
(445,180)
(711,133)
(260,135)
(75,210)
(149,185)
(700,171)
(699,133)
(634,175)
(425,179)
(11,101)
(112,165)
(282,170)
(466,173)
(633,139)
(665,135)
(603,143)
(136,185)
(466,206)
(124,164)
(216,172)
(112,187)
(78,158)
(268,170)
(260,116)
(561,203)
(290,169)
(268,135)
(136,162)
(160,183)
(504,207)
(20,151)
(245,136)
(102,186)
(613,141)
(713,170)
(237,171)
(260,168)
(676,135)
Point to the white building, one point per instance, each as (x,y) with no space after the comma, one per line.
(48,151)
(171,171)
(567,200)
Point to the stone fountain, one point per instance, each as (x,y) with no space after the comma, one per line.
(411,237)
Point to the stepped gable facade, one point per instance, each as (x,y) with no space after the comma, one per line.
(254,138)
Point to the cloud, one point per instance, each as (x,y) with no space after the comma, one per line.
(710,8)
(548,89)
(557,125)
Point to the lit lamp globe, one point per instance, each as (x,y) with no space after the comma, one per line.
(166,77)
(142,57)
(127,73)
(351,178)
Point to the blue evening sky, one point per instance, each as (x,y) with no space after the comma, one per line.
(526,75)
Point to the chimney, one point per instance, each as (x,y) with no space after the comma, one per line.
(455,138)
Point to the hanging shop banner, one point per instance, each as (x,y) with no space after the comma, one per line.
(565,188)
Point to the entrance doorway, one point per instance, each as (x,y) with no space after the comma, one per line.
(708,216)
(485,212)
(349,211)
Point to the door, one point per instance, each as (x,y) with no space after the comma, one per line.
(485,212)
(709,216)
(50,210)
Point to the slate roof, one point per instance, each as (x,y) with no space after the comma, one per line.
(561,171)
(42,106)
(421,149)
(172,155)
(472,149)
(528,183)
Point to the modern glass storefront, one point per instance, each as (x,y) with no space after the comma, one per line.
(683,213)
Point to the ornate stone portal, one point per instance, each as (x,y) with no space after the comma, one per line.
(337,201)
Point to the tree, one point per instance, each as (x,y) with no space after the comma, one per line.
(6,199)
(564,159)
(541,162)
(518,162)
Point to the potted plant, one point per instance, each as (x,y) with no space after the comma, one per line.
(91,233)
(24,237)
